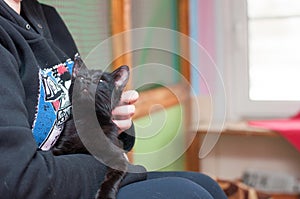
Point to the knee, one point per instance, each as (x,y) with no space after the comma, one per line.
(187,187)
(167,187)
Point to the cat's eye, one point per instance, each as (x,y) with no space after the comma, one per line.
(102,79)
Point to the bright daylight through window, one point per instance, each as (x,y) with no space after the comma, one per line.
(273,47)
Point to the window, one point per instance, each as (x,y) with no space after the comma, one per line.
(274,63)
(265,61)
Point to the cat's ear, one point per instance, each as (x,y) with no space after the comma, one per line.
(78,65)
(121,76)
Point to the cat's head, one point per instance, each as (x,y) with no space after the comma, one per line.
(84,83)
(109,91)
(95,86)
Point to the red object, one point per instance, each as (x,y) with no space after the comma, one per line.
(288,128)
(61,69)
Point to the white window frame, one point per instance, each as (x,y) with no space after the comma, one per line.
(234,55)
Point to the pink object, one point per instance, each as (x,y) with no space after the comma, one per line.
(288,128)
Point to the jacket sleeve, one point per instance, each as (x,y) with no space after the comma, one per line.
(27,172)
(128,138)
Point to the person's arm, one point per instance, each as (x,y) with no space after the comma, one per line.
(27,172)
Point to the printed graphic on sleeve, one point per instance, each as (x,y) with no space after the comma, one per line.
(54,105)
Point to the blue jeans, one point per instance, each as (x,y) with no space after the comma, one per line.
(173,185)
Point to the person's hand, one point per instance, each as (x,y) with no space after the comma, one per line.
(122,114)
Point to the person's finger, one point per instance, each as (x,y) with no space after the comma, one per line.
(123,112)
(123,125)
(129,97)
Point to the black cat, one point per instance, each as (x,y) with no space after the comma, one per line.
(94,91)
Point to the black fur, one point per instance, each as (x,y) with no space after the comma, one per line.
(108,88)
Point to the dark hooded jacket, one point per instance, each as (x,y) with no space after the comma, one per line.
(36,52)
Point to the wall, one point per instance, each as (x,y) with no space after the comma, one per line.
(234,154)
(159,140)
(159,136)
